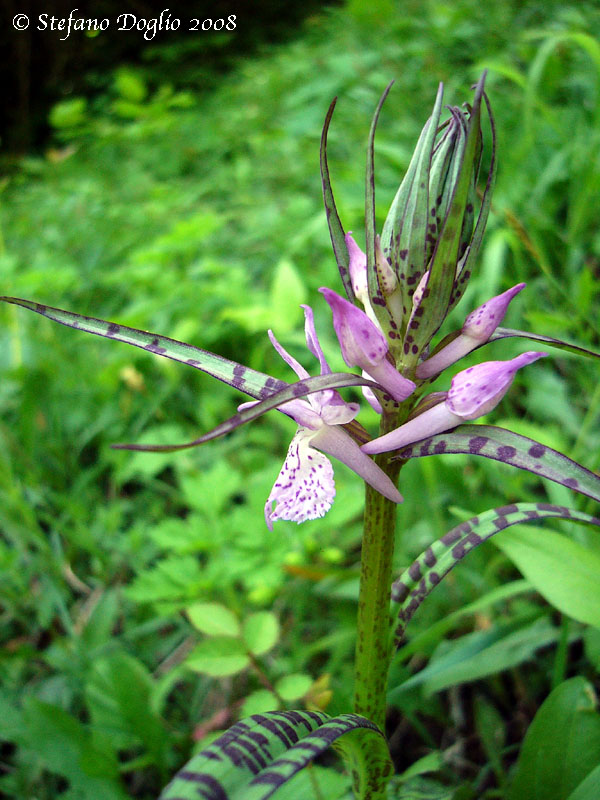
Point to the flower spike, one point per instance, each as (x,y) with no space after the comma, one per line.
(477,329)
(363,345)
(473,392)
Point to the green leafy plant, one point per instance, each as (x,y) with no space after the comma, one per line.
(407,283)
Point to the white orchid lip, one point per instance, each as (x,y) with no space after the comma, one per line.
(479,325)
(363,345)
(473,392)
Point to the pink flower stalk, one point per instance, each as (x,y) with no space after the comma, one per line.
(363,345)
(473,392)
(305,487)
(478,327)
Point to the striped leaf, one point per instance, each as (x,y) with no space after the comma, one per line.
(376,296)
(334,380)
(470,258)
(258,756)
(505,333)
(415,583)
(336,230)
(256,384)
(511,448)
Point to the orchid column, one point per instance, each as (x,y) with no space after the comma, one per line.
(407,282)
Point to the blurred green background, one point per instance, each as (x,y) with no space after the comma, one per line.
(197,213)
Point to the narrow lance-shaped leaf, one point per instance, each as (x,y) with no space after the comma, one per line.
(468,261)
(259,755)
(415,583)
(334,380)
(505,333)
(256,384)
(376,296)
(336,230)
(511,448)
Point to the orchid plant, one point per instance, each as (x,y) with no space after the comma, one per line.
(398,293)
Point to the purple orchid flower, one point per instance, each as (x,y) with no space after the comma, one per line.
(473,392)
(305,487)
(477,329)
(363,345)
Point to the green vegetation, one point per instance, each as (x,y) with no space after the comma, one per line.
(145,604)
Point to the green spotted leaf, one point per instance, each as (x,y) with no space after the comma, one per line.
(505,333)
(376,296)
(336,231)
(511,448)
(415,583)
(270,391)
(258,756)
(249,381)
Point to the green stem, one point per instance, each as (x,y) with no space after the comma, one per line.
(373,640)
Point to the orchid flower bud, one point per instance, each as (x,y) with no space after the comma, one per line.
(433,232)
(363,345)
(359,277)
(473,392)
(477,329)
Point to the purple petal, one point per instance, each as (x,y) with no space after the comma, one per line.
(363,345)
(312,340)
(481,323)
(358,269)
(436,419)
(336,442)
(478,327)
(289,360)
(477,390)
(388,376)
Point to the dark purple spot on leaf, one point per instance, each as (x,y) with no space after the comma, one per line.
(476,444)
(506,453)
(399,592)
(451,537)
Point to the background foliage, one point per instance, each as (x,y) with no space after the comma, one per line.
(200,216)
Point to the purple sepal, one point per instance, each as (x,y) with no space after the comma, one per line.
(477,390)
(473,392)
(477,329)
(363,345)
